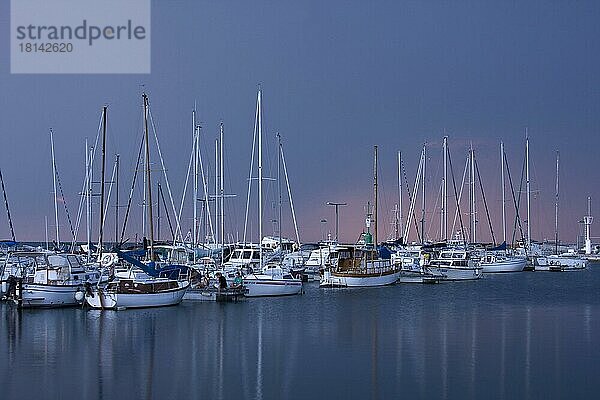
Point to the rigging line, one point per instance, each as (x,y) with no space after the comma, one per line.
(85,185)
(287,181)
(137,167)
(162,196)
(231,209)
(518,204)
(187,177)
(405,175)
(413,200)
(12,231)
(462,228)
(517,217)
(462,186)
(384,199)
(205,187)
(162,162)
(110,187)
(487,212)
(251,170)
(64,201)
(433,211)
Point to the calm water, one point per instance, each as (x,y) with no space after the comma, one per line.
(527,335)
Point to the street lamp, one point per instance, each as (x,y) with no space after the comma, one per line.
(336,205)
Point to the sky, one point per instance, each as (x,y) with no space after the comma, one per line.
(337,77)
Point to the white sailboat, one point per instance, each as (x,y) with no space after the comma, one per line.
(151,288)
(278,282)
(567,261)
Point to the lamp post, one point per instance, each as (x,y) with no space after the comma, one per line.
(336,205)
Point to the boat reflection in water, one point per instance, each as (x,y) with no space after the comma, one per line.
(494,338)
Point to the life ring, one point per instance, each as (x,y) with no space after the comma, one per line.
(108,260)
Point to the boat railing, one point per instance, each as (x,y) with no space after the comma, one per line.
(370,267)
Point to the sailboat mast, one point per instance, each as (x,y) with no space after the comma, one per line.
(217,225)
(195,193)
(260,178)
(158,197)
(400,228)
(528,192)
(279,186)
(445,192)
(473,202)
(423,193)
(88,195)
(117,162)
(12,231)
(375,205)
(54,184)
(556,208)
(101,233)
(503,192)
(221,193)
(148,180)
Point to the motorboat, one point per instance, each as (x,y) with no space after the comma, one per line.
(412,263)
(43,279)
(357,266)
(500,261)
(272,281)
(456,265)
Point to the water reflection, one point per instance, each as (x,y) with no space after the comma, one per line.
(447,341)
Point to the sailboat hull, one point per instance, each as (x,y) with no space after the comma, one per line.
(333,279)
(458,273)
(40,295)
(515,264)
(407,276)
(112,300)
(267,285)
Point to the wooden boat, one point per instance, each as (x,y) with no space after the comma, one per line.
(360,267)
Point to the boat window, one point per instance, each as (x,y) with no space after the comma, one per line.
(247,254)
(256,255)
(73,260)
(237,254)
(40,261)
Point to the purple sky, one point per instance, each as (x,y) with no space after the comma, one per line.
(338,77)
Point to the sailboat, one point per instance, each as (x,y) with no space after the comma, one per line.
(361,265)
(160,285)
(272,279)
(568,261)
(500,259)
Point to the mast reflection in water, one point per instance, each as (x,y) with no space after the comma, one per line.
(526,335)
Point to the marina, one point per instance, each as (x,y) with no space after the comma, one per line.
(299,200)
